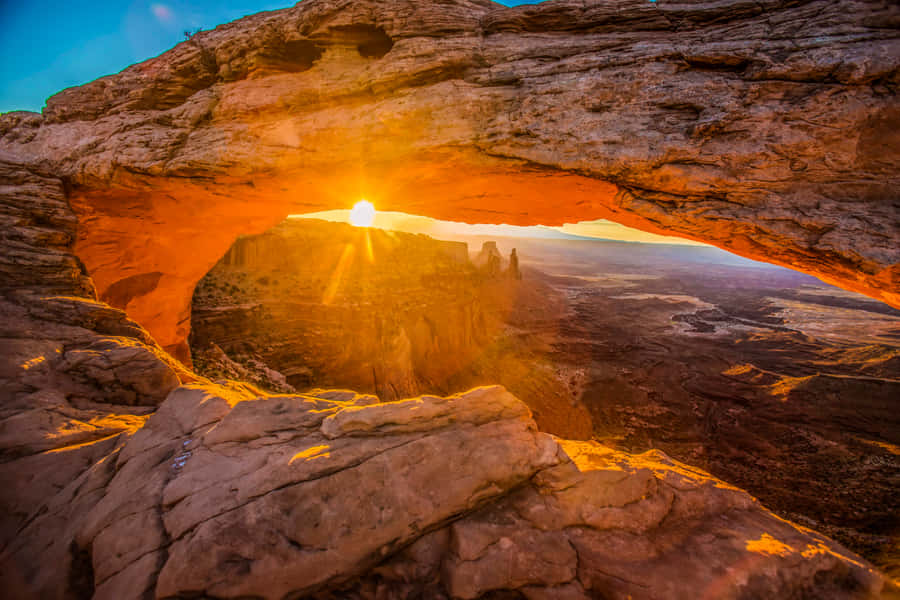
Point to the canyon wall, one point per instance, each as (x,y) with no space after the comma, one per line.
(767,128)
(332,305)
(117,482)
(311,304)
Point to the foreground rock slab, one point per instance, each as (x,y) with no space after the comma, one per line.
(225,494)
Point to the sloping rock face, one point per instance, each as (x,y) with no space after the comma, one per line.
(225,492)
(768,128)
(75,374)
(224,495)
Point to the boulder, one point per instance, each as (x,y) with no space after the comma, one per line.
(224,494)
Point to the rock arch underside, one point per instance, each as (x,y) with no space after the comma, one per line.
(769,128)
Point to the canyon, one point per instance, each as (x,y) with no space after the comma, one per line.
(311,304)
(768,128)
(765,377)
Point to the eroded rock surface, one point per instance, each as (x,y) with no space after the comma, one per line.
(75,374)
(224,494)
(767,128)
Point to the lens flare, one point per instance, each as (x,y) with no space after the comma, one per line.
(363,214)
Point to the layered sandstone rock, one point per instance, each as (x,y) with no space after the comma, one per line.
(717,120)
(223,491)
(224,494)
(75,374)
(767,128)
(331,305)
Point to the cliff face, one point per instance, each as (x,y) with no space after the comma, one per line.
(387,313)
(328,304)
(767,128)
(116,482)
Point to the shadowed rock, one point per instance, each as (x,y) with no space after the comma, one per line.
(228,495)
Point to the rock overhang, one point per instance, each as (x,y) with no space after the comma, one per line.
(766,130)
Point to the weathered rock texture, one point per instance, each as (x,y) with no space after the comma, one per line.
(76,376)
(224,495)
(332,305)
(74,373)
(768,128)
(225,492)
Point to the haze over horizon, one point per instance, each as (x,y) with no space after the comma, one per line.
(600,229)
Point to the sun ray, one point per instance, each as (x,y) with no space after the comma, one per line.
(335,283)
(370,254)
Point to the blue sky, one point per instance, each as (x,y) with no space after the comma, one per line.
(49,45)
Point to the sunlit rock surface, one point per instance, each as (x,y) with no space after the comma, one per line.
(224,494)
(768,128)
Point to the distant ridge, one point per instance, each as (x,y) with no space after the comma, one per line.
(398,221)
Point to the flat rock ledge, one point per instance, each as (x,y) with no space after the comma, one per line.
(223,494)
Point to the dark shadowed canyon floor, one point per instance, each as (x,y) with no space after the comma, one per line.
(765,377)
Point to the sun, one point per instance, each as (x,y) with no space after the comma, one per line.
(363,214)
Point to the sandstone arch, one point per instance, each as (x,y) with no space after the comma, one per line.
(767,128)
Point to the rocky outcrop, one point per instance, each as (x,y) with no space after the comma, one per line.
(767,128)
(75,375)
(717,120)
(54,333)
(224,491)
(513,270)
(489,259)
(570,534)
(37,234)
(224,494)
(332,305)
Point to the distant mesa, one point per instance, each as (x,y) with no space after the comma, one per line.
(315,303)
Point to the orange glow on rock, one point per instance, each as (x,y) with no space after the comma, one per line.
(311,453)
(768,545)
(343,264)
(33,362)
